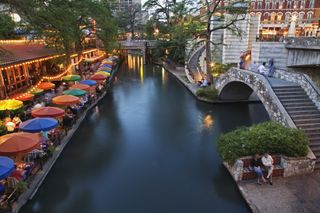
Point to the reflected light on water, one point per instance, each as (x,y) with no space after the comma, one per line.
(207,122)
(164,76)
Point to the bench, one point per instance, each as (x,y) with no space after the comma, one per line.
(249,174)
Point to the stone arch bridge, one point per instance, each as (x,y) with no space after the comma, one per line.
(290,98)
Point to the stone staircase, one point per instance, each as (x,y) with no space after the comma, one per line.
(304,114)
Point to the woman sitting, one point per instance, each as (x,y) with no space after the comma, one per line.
(256,164)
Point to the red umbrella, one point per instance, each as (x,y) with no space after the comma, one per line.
(24,97)
(65,100)
(17,143)
(81,86)
(48,112)
(46,85)
(98,77)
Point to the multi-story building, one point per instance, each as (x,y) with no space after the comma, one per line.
(276,16)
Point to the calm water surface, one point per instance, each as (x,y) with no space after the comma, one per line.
(149,147)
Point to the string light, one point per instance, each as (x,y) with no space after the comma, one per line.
(57,77)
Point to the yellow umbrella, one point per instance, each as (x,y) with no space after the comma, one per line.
(103,73)
(10,104)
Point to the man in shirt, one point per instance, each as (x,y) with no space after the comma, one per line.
(262,69)
(267,161)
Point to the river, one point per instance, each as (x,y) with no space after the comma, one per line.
(148,147)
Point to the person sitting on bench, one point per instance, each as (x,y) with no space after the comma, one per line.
(256,164)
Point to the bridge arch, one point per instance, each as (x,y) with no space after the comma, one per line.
(236,90)
(239,84)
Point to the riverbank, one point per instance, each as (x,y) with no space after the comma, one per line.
(179,73)
(40,176)
(286,195)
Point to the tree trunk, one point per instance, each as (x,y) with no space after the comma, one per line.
(208,53)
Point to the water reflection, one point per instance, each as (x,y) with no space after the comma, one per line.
(141,151)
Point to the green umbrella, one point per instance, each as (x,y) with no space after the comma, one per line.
(36,91)
(75,92)
(71,78)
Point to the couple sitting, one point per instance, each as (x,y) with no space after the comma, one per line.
(266,161)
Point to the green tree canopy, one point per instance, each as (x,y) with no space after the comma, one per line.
(7,27)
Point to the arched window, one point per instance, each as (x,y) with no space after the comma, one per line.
(309,16)
(279,17)
(273,17)
(300,19)
(287,18)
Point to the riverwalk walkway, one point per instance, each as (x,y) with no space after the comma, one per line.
(299,194)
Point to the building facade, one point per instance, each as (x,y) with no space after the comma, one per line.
(276,16)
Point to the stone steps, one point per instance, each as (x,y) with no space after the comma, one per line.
(304,114)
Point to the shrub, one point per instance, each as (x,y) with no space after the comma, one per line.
(209,93)
(265,137)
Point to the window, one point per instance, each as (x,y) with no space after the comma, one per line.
(309,16)
(303,4)
(311,3)
(267,4)
(274,4)
(259,5)
(295,4)
(273,17)
(287,18)
(279,17)
(281,4)
(301,15)
(289,4)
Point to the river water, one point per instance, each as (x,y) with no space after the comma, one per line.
(149,147)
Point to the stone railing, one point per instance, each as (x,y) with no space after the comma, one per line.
(302,42)
(194,50)
(261,86)
(304,81)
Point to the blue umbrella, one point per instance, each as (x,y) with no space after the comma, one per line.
(6,167)
(106,65)
(38,125)
(88,82)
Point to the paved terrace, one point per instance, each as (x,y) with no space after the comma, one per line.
(297,194)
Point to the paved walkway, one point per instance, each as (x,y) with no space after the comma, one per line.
(297,194)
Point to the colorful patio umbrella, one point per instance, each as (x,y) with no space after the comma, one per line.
(104,70)
(71,78)
(36,91)
(17,143)
(47,112)
(65,100)
(75,92)
(88,82)
(24,97)
(38,125)
(103,73)
(10,104)
(106,65)
(98,77)
(46,86)
(6,167)
(80,86)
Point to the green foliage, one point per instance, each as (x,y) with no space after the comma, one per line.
(217,69)
(268,137)
(209,93)
(172,25)
(65,25)
(7,26)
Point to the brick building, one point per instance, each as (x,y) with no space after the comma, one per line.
(276,15)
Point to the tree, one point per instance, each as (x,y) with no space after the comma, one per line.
(172,25)
(225,16)
(65,24)
(7,29)
(130,19)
